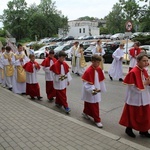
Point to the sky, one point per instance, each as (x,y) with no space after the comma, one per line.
(75,9)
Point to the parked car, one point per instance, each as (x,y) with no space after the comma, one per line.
(108,36)
(88,53)
(117,36)
(30,44)
(40,53)
(135,34)
(109,48)
(68,38)
(88,38)
(146,48)
(64,47)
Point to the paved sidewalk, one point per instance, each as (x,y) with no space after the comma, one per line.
(26,125)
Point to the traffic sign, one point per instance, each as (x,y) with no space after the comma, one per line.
(129,26)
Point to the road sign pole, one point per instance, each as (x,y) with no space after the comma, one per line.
(129,27)
(126,50)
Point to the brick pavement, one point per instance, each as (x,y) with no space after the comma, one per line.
(26,125)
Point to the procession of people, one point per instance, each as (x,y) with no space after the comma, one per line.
(18,73)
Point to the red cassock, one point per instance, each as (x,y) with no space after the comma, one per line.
(92,109)
(134,51)
(136,117)
(61,97)
(50,91)
(32,89)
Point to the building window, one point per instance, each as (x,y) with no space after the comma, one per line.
(83,30)
(80,30)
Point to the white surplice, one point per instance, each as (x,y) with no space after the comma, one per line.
(31,78)
(60,85)
(73,51)
(88,88)
(116,70)
(136,97)
(48,72)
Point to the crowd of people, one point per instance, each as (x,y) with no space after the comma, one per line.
(18,73)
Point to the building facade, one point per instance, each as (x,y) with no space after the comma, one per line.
(79,28)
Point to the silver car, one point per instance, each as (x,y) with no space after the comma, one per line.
(117,36)
(146,48)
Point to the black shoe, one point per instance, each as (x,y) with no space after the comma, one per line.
(32,98)
(10,89)
(72,71)
(51,99)
(39,98)
(23,93)
(110,78)
(146,134)
(78,74)
(120,79)
(129,132)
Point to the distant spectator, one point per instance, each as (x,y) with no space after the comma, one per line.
(46,54)
(31,50)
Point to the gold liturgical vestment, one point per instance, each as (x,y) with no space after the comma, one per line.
(21,74)
(98,49)
(82,59)
(9,69)
(74,56)
(1,70)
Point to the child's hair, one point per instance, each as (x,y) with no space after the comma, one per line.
(96,57)
(51,52)
(8,48)
(19,45)
(3,48)
(31,56)
(81,45)
(137,43)
(62,54)
(140,56)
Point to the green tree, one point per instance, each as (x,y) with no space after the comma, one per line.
(13,18)
(37,26)
(114,20)
(54,18)
(140,15)
(2,32)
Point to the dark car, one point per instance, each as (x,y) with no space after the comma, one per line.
(61,48)
(109,48)
(68,38)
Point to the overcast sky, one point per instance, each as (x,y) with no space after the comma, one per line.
(74,9)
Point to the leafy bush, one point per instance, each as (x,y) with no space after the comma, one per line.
(144,40)
(37,46)
(25,40)
(3,40)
